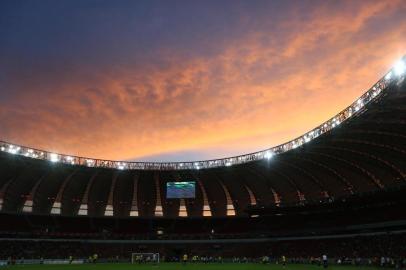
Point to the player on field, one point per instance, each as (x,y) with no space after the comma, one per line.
(154,259)
(325,260)
(283,261)
(95,256)
(184,259)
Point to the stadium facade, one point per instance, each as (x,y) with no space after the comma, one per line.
(345,177)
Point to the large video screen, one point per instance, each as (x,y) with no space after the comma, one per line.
(180,190)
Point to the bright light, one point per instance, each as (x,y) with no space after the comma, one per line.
(53,157)
(13,149)
(388,76)
(399,67)
(268,155)
(70,160)
(228,164)
(89,162)
(121,166)
(2,148)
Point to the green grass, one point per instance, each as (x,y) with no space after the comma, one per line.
(178,266)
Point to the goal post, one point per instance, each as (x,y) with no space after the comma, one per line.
(142,257)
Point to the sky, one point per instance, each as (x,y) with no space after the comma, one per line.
(185,80)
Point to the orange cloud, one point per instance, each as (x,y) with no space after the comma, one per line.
(258,91)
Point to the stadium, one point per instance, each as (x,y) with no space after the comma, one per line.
(333,197)
(338,189)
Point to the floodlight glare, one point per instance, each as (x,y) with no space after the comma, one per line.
(70,160)
(399,67)
(89,162)
(268,154)
(121,166)
(13,149)
(53,157)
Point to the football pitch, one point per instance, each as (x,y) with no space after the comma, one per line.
(178,266)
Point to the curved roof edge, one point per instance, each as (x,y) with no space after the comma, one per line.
(395,74)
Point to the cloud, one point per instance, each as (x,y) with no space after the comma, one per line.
(256,89)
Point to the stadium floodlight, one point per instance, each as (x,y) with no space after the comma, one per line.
(30,153)
(89,162)
(13,149)
(53,157)
(70,160)
(121,165)
(388,76)
(268,154)
(2,148)
(399,68)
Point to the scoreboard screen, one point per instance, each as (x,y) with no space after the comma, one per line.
(180,190)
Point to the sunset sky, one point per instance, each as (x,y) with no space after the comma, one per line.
(185,80)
